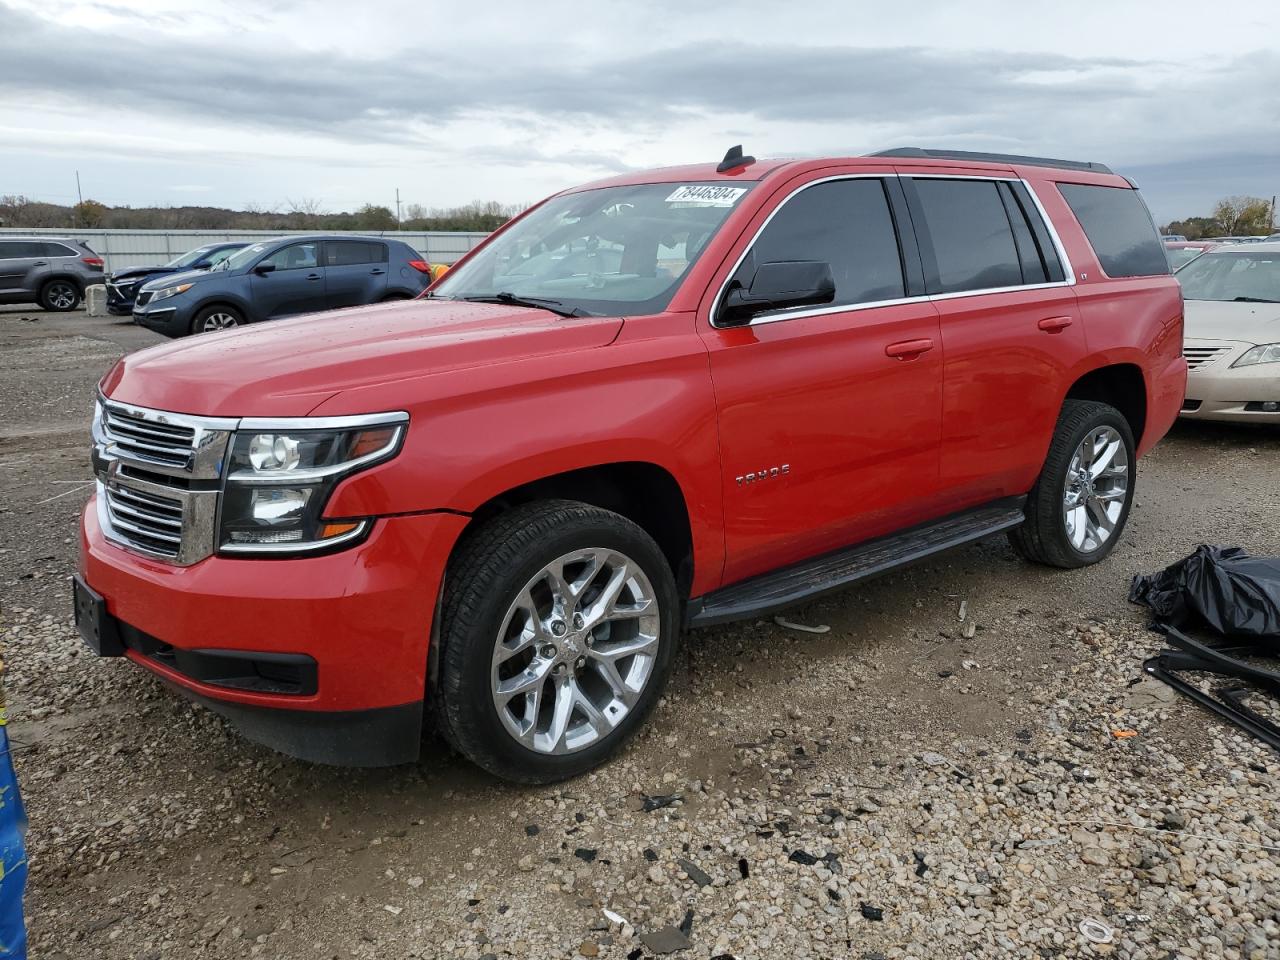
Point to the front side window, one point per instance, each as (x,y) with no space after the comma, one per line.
(1119,229)
(845,223)
(973,241)
(344,253)
(609,252)
(296,256)
(1246,277)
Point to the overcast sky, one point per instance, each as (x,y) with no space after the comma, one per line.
(231,102)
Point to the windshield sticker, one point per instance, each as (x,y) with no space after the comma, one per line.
(706,196)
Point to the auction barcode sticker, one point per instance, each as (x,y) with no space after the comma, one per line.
(706,196)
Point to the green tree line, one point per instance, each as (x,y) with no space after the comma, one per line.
(1232,217)
(306,214)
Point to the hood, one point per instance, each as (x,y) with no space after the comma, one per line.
(128,273)
(1221,320)
(286,368)
(171,278)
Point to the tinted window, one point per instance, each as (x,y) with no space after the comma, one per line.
(21,249)
(1119,229)
(341,253)
(845,223)
(973,243)
(56,250)
(296,256)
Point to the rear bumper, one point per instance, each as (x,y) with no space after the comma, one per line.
(358,621)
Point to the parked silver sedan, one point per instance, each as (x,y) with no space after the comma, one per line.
(1232,336)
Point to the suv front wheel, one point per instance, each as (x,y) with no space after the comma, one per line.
(559,627)
(1078,508)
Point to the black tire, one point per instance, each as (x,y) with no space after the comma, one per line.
(1043,537)
(392,297)
(207,319)
(491,567)
(60,295)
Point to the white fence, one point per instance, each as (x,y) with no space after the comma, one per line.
(128,248)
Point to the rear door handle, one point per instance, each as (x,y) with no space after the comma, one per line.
(314,276)
(41,263)
(377,272)
(908,349)
(1054,324)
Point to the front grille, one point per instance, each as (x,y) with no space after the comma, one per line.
(149,439)
(143,298)
(147,520)
(1201,356)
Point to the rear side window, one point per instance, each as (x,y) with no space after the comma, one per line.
(21,249)
(973,242)
(59,250)
(344,253)
(1119,229)
(846,223)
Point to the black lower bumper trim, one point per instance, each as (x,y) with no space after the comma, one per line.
(380,737)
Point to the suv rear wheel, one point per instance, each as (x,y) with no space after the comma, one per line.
(1077,510)
(558,631)
(60,296)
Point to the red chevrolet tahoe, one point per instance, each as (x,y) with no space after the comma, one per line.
(665,400)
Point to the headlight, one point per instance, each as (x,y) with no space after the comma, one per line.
(1265,353)
(168,292)
(279,480)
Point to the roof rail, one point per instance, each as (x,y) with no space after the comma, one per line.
(923,154)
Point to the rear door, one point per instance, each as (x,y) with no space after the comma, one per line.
(829,416)
(355,272)
(297,285)
(1011,331)
(22,266)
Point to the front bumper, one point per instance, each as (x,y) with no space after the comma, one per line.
(1218,391)
(169,319)
(362,615)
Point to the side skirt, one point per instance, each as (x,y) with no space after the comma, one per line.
(808,579)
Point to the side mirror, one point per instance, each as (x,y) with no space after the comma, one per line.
(777,286)
(264,268)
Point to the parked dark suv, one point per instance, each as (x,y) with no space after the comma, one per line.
(123,285)
(50,271)
(282,278)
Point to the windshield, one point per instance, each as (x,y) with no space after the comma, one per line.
(1180,256)
(188,258)
(606,252)
(243,257)
(1249,276)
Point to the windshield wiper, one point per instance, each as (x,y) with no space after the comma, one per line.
(1253,300)
(539,303)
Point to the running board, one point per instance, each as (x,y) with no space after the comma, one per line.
(812,578)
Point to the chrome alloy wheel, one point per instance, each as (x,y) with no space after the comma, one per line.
(576,649)
(218,320)
(1097,483)
(62,296)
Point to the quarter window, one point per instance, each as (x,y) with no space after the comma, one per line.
(1119,229)
(845,223)
(973,242)
(56,250)
(296,256)
(343,253)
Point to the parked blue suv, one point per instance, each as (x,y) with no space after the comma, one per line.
(282,278)
(123,285)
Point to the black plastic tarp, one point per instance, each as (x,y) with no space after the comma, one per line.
(1222,588)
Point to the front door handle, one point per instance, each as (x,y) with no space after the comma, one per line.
(314,276)
(1054,324)
(908,349)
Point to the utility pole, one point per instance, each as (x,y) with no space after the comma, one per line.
(80,196)
(1271,224)
(397,208)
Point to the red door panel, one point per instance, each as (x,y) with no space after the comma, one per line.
(825,438)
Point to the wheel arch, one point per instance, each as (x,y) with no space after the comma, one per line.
(1120,385)
(75,280)
(644,492)
(223,301)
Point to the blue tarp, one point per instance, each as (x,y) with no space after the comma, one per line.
(13,857)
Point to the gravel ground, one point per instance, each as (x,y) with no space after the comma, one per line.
(937,776)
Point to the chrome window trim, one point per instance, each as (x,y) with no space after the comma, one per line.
(800,314)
